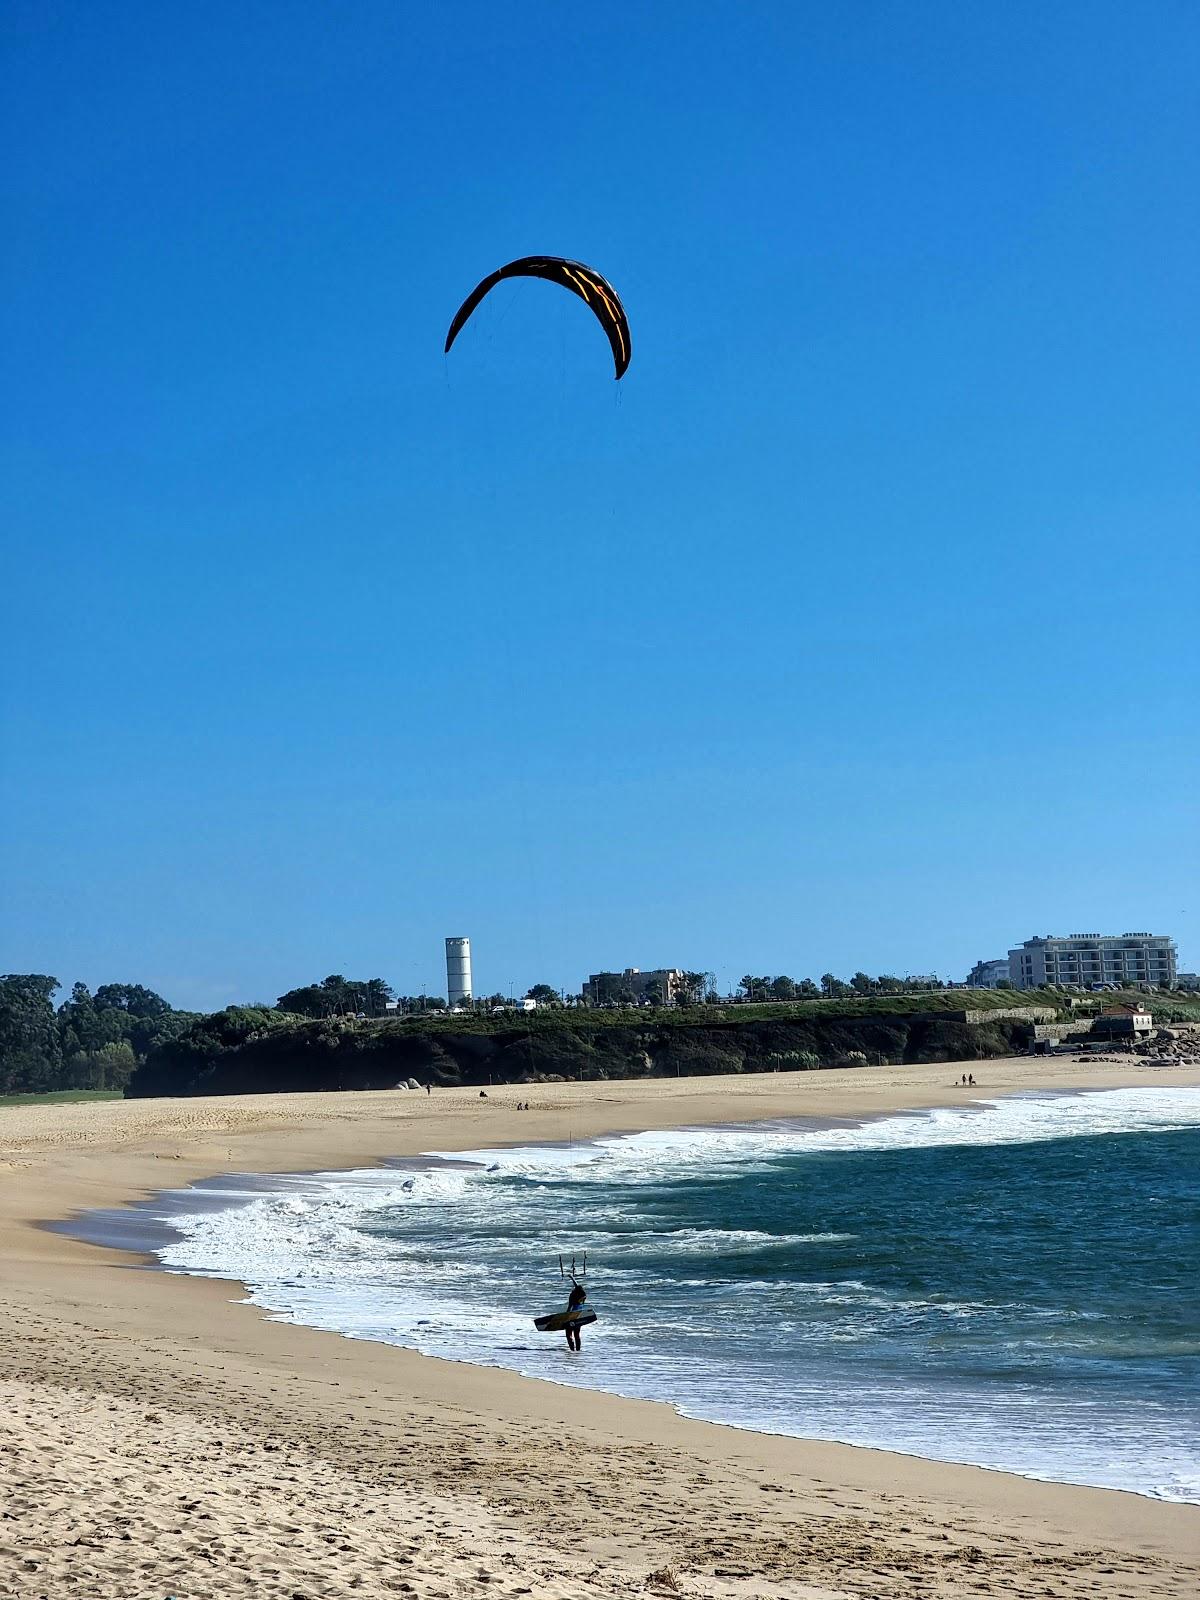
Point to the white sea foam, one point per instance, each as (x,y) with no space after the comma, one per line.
(332,1251)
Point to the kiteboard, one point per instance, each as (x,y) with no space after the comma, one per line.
(558,1320)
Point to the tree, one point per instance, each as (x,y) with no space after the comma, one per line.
(115,1064)
(311,1001)
(833,988)
(376,995)
(83,1027)
(886,984)
(337,996)
(30,1055)
(130,997)
(118,1013)
(110,1067)
(92,1042)
(147,1033)
(544,994)
(861,984)
(783,988)
(338,991)
(807,989)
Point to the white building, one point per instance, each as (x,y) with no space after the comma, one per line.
(1087,959)
(1131,1021)
(458,971)
(987,974)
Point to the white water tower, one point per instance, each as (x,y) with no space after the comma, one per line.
(458,970)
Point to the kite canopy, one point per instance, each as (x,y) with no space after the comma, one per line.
(591,288)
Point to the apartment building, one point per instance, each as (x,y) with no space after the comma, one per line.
(664,984)
(1091,958)
(987,974)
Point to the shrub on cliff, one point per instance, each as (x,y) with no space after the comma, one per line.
(188,1064)
(695,1052)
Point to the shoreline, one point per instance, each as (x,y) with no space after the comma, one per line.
(88,1227)
(76,1316)
(147,1231)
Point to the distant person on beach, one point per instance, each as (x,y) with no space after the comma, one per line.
(575,1302)
(971,1079)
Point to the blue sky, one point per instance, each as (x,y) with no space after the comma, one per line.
(855,628)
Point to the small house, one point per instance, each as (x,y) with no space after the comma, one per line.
(1124,1021)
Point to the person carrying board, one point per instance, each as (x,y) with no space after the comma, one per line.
(575,1302)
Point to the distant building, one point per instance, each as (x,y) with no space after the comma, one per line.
(1089,959)
(634,985)
(987,974)
(1187,980)
(458,971)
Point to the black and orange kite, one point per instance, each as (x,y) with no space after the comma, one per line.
(591,288)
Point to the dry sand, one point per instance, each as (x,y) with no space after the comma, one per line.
(162,1440)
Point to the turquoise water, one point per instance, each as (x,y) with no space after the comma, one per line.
(1014,1286)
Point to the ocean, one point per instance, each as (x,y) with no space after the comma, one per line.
(1013,1285)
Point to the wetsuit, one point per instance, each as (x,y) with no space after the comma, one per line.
(575,1302)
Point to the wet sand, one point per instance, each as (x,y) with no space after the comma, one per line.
(161,1439)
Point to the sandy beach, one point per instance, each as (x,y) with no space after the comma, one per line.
(161,1439)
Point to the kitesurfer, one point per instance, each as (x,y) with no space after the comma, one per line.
(575,1302)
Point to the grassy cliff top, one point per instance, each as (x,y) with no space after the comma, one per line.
(921,1003)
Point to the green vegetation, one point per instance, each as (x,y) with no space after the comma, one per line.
(61,1097)
(937,1001)
(542,993)
(1178,1005)
(259,1050)
(256,1050)
(337,996)
(831,987)
(337,1034)
(93,1041)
